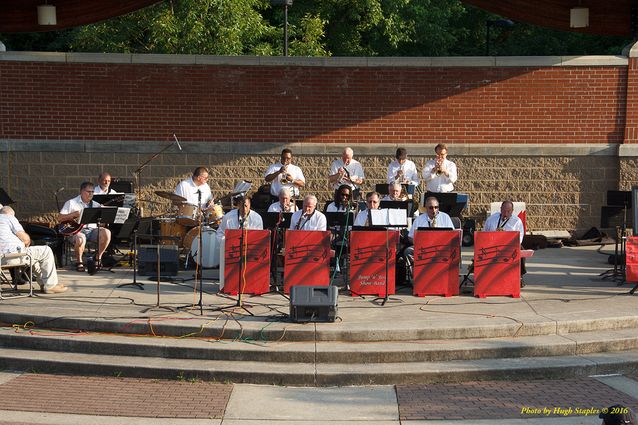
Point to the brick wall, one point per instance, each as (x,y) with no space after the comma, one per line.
(541,130)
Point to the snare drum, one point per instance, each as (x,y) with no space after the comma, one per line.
(214,215)
(171,233)
(187,214)
(210,249)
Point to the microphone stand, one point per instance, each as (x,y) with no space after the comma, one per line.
(243,246)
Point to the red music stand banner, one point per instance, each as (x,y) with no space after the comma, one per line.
(437,255)
(497,264)
(373,259)
(247,261)
(631,255)
(307,258)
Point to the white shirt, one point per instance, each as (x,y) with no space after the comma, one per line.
(440,183)
(276,207)
(231,221)
(513,223)
(361,218)
(354,168)
(9,227)
(423,220)
(332,207)
(76,204)
(410,173)
(188,189)
(98,191)
(317,221)
(276,185)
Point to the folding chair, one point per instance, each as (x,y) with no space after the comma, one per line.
(18,261)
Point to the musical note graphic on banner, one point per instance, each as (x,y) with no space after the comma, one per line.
(496,254)
(370,254)
(435,254)
(299,253)
(254,254)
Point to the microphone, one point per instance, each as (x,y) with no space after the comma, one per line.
(177,141)
(59,190)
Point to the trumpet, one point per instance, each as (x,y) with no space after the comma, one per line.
(285,178)
(437,168)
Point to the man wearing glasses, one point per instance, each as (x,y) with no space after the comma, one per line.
(341,201)
(196,188)
(432,218)
(372,203)
(285,175)
(71,211)
(505,220)
(308,218)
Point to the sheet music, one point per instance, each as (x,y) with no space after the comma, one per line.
(121,215)
(388,217)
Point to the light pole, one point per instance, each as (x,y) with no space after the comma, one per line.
(498,23)
(285,4)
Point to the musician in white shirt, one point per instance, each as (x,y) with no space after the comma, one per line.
(402,170)
(372,203)
(71,211)
(394,193)
(285,203)
(103,186)
(506,220)
(196,188)
(285,175)
(240,218)
(308,218)
(346,171)
(440,174)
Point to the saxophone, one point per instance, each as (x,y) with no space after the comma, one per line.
(434,221)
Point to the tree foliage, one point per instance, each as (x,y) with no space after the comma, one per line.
(316,28)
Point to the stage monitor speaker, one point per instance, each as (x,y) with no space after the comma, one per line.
(147,260)
(612,216)
(313,303)
(122,186)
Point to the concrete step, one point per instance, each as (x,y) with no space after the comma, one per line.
(326,351)
(319,374)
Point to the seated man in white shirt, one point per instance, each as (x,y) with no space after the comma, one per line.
(196,188)
(403,171)
(285,174)
(240,218)
(308,218)
(103,186)
(440,173)
(347,171)
(71,212)
(13,238)
(432,218)
(394,193)
(285,203)
(372,203)
(506,220)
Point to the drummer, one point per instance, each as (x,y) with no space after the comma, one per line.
(195,189)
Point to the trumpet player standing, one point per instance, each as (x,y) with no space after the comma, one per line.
(440,173)
(285,175)
(402,170)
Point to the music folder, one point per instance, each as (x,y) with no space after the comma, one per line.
(388,217)
(272,220)
(401,205)
(339,218)
(104,215)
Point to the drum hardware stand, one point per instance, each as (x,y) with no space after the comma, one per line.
(274,259)
(466,278)
(157,306)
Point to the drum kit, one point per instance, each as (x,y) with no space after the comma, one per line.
(186,223)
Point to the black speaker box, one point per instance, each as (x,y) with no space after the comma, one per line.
(147,260)
(469,227)
(313,303)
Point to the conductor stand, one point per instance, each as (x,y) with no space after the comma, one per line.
(100,216)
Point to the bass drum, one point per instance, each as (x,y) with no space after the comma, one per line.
(210,248)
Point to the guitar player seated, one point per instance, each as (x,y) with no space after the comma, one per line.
(78,234)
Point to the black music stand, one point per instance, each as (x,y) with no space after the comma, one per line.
(110,200)
(278,222)
(385,227)
(382,188)
(447,202)
(122,186)
(99,216)
(157,305)
(398,205)
(145,227)
(338,223)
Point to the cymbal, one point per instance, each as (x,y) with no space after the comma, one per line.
(170,195)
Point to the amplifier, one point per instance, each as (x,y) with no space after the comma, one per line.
(147,260)
(313,303)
